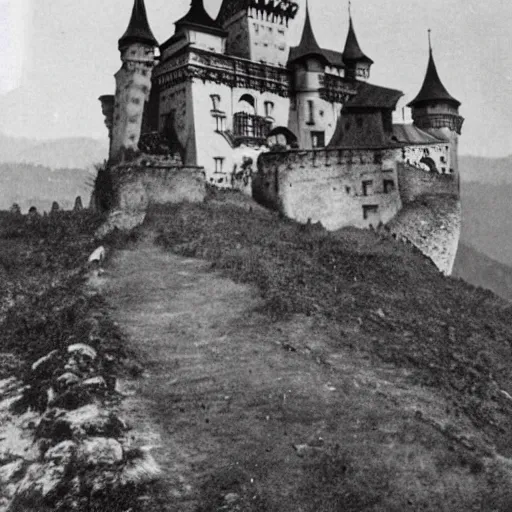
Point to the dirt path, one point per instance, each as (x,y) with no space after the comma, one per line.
(246,411)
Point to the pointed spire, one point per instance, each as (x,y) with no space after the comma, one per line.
(352,52)
(138,30)
(308,45)
(432,88)
(198,17)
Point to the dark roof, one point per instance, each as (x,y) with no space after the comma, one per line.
(198,17)
(308,45)
(432,88)
(352,52)
(138,30)
(410,133)
(335,58)
(373,96)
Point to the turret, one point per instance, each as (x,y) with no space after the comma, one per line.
(357,64)
(257,29)
(307,62)
(133,82)
(436,111)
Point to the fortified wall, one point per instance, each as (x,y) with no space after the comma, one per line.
(340,187)
(400,187)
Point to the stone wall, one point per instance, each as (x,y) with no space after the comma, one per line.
(147,181)
(337,187)
(414,182)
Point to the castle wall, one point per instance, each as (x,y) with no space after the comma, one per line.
(414,182)
(337,187)
(147,181)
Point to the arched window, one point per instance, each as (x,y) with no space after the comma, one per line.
(427,161)
(247,104)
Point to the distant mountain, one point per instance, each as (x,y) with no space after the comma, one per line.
(35,185)
(68,153)
(478,269)
(486,170)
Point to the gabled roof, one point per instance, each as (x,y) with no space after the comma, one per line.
(432,88)
(373,96)
(352,52)
(197,17)
(308,45)
(138,30)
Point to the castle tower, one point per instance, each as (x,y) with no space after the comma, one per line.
(133,82)
(357,64)
(308,61)
(436,111)
(257,29)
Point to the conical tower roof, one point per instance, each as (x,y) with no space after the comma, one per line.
(432,88)
(308,45)
(198,17)
(138,30)
(352,52)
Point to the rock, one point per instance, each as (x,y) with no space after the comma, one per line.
(73,398)
(39,481)
(83,350)
(10,472)
(61,453)
(140,467)
(46,365)
(87,420)
(67,380)
(100,450)
(95,384)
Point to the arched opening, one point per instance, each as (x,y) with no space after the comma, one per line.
(427,161)
(280,137)
(247,126)
(247,104)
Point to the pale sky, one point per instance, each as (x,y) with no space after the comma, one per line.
(58,56)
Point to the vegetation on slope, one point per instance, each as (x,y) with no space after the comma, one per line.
(455,337)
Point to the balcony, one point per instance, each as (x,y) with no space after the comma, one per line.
(250,129)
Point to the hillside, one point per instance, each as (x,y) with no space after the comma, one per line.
(286,368)
(480,270)
(340,373)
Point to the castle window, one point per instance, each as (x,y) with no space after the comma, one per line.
(215,102)
(311,112)
(281,31)
(443,159)
(219,163)
(269,108)
(389,186)
(369,210)
(367,188)
(359,121)
(317,139)
(347,189)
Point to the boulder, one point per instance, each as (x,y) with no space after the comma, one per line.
(61,453)
(40,480)
(66,380)
(46,365)
(82,350)
(11,472)
(140,467)
(100,450)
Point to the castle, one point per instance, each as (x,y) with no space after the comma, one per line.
(300,128)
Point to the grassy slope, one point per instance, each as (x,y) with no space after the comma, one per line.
(380,300)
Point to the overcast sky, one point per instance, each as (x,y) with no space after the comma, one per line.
(58,56)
